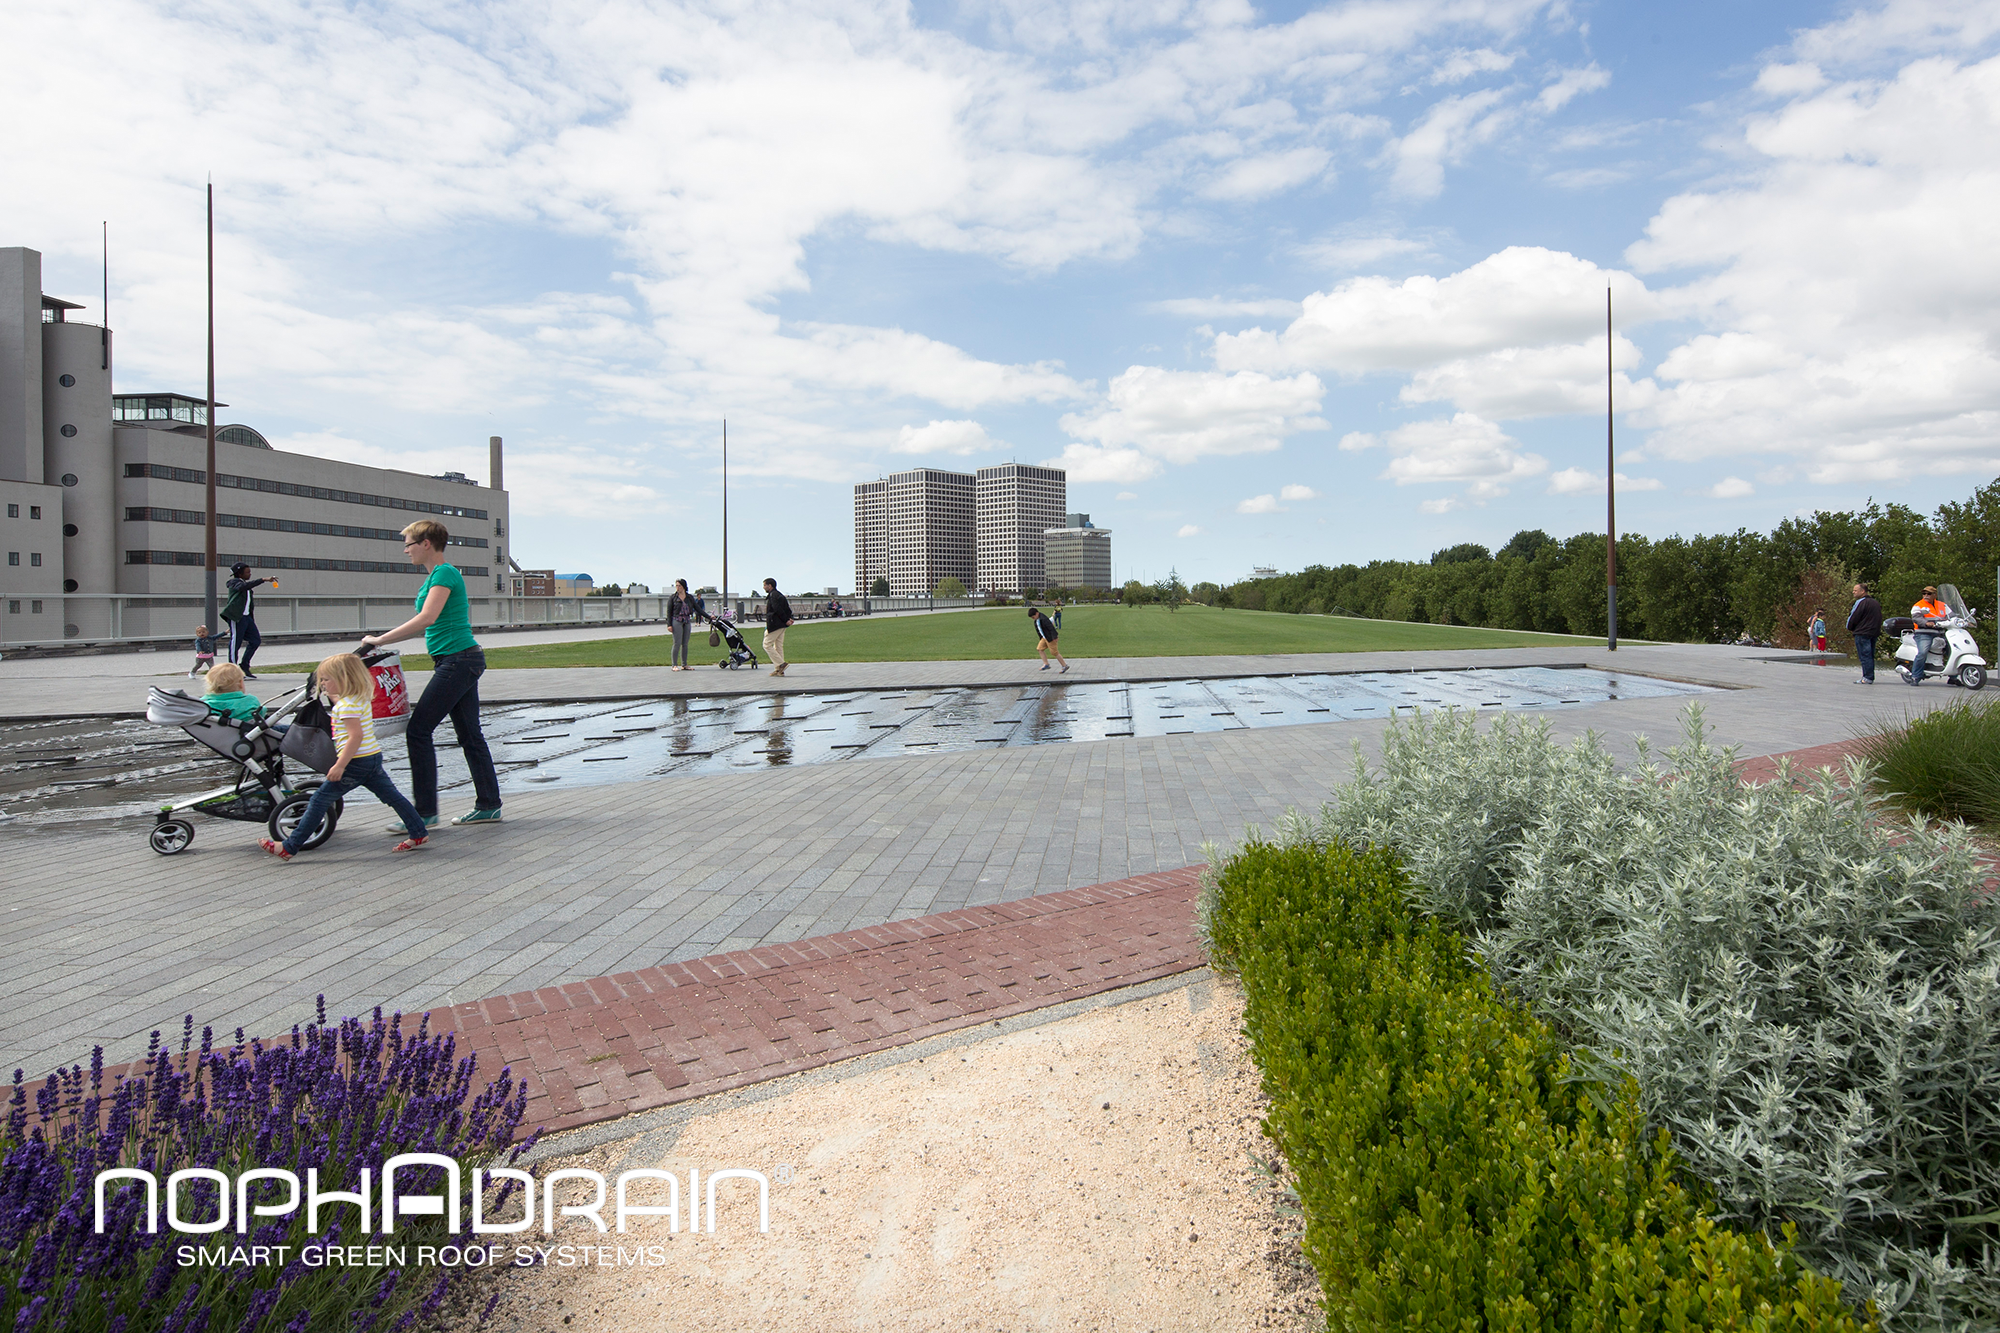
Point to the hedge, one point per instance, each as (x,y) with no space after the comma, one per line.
(1454,1171)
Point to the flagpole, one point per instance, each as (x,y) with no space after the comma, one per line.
(1610,496)
(208,579)
(725,513)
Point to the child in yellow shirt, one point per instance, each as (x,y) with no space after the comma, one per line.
(344,677)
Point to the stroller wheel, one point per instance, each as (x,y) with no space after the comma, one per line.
(171,837)
(288,814)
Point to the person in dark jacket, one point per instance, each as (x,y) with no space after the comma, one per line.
(1865,623)
(682,611)
(777,618)
(1045,638)
(243,636)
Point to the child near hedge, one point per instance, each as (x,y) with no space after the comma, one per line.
(226,695)
(360,761)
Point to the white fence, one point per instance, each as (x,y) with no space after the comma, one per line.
(95,619)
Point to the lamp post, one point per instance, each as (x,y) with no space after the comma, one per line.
(208,578)
(1610,497)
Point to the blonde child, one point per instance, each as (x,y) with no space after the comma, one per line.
(204,650)
(360,762)
(226,694)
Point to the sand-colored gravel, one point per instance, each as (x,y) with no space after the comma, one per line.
(1094,1172)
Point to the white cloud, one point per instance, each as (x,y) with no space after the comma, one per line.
(543,478)
(1517,382)
(1178,416)
(1730,488)
(1126,495)
(1579,481)
(1444,504)
(1790,80)
(1524,296)
(1219,307)
(1346,254)
(1462,65)
(1463,449)
(1445,135)
(1296,493)
(1571,83)
(1190,530)
(1267,174)
(943,437)
(1260,504)
(1090,462)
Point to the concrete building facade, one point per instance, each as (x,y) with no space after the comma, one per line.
(119,484)
(1017,503)
(871,535)
(1077,555)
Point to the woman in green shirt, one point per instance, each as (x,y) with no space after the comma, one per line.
(444,616)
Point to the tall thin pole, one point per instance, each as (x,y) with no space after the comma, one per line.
(1610,497)
(208,581)
(104,334)
(725,513)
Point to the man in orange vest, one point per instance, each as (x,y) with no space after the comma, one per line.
(1928,607)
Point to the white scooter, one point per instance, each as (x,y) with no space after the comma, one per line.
(1953,655)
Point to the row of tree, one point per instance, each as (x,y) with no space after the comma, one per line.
(1703,589)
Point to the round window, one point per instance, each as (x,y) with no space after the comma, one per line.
(68,432)
(69,478)
(67,381)
(69,585)
(71,631)
(69,529)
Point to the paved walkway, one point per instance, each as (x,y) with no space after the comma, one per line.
(107,941)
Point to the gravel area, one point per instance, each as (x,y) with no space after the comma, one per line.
(1097,1172)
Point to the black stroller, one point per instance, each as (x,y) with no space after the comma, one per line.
(739,651)
(261,793)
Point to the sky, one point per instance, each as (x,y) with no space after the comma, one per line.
(1278,285)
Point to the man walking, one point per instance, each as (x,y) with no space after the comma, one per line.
(241,613)
(1928,607)
(1864,622)
(777,618)
(1045,640)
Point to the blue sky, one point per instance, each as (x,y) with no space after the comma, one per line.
(1279,285)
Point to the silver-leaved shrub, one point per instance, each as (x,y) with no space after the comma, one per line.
(1805,987)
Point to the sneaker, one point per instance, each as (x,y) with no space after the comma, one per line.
(1865,680)
(479,817)
(250,675)
(276,849)
(1065,670)
(430,821)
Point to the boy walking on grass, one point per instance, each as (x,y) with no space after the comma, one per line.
(1045,641)
(360,761)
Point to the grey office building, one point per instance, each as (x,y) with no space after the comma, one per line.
(1017,504)
(105,492)
(1077,555)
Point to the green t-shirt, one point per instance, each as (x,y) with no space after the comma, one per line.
(239,705)
(451,632)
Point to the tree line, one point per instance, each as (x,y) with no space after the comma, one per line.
(1702,589)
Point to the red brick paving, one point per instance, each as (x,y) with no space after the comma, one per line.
(610,1046)
(1832,755)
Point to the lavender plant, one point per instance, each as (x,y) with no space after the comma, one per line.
(1805,988)
(334,1098)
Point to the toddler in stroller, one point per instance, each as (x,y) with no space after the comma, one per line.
(230,722)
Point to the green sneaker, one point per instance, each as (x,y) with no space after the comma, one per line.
(479,817)
(430,821)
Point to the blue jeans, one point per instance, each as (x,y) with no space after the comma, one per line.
(1924,642)
(364,770)
(244,641)
(453,690)
(1864,648)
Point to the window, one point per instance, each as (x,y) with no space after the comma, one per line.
(67,381)
(34,511)
(35,559)
(13,557)
(13,608)
(68,431)
(34,608)
(13,511)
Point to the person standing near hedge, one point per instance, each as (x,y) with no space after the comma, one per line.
(445,616)
(1865,623)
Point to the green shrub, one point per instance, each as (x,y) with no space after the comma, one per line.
(1454,1173)
(1945,764)
(1806,995)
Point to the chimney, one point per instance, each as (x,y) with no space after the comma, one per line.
(493,457)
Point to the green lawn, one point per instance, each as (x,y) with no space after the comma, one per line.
(1088,631)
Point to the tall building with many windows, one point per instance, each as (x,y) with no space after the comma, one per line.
(931,530)
(871,535)
(1017,503)
(105,494)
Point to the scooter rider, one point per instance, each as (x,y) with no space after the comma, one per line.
(1928,607)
